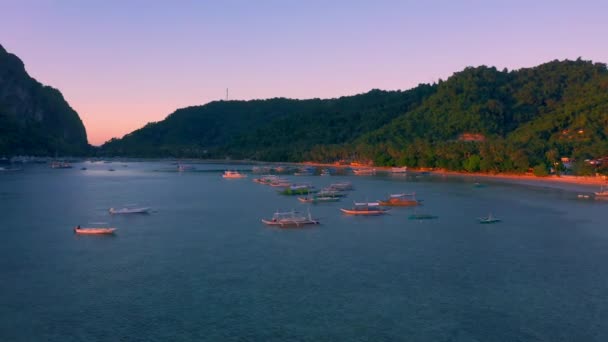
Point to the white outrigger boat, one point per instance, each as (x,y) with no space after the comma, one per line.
(143,210)
(290,219)
(365,209)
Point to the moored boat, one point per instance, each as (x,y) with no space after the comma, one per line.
(233,174)
(343,186)
(61,165)
(318,199)
(94,231)
(602,193)
(488,219)
(400,200)
(365,209)
(184,168)
(298,189)
(143,210)
(398,169)
(290,219)
(364,171)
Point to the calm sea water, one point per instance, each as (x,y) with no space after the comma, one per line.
(202,266)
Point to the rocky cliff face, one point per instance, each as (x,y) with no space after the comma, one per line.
(35,119)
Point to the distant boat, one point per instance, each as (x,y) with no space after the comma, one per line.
(488,219)
(364,172)
(319,199)
(143,210)
(398,169)
(344,186)
(10,169)
(290,219)
(298,189)
(602,193)
(365,209)
(183,168)
(93,231)
(60,165)
(325,172)
(111,170)
(233,175)
(400,200)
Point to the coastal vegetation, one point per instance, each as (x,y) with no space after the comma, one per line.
(552,117)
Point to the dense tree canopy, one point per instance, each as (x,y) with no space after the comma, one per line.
(480,119)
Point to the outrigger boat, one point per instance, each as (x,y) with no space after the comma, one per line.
(400,200)
(318,199)
(93,231)
(365,209)
(290,219)
(344,186)
(143,210)
(488,219)
(233,174)
(298,189)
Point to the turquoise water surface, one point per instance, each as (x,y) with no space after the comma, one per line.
(202,267)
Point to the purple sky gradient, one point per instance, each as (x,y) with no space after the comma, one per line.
(121,64)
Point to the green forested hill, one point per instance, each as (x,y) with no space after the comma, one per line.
(35,119)
(274,129)
(521,119)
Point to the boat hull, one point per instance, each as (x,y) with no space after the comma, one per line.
(399,203)
(94,231)
(289,224)
(486,221)
(370,212)
(129,211)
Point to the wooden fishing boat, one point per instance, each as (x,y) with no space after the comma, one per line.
(93,231)
(400,200)
(233,175)
(365,209)
(290,219)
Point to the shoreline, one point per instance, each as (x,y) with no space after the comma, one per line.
(581,181)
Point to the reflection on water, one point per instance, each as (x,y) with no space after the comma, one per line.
(203,267)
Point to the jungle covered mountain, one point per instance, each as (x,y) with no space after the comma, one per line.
(35,119)
(479,119)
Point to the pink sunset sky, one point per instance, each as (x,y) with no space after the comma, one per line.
(121,64)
